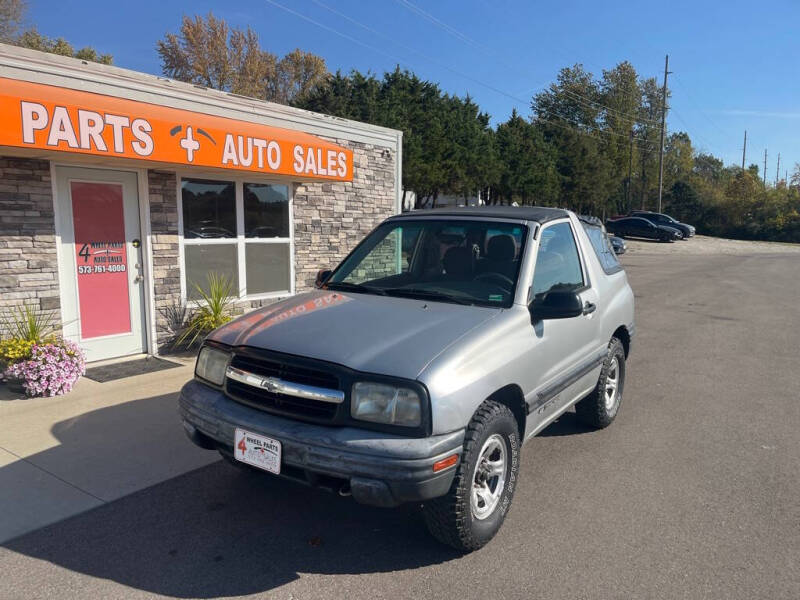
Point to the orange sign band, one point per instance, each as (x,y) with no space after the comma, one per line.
(54,118)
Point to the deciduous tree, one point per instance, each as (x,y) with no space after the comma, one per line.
(207,51)
(11,13)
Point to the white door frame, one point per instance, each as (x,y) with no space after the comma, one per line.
(149,326)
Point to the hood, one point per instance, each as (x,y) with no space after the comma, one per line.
(365,332)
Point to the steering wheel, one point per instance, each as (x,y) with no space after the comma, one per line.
(496,277)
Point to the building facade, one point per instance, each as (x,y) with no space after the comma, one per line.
(122,193)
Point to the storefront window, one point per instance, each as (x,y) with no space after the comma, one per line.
(209,209)
(267,267)
(266,210)
(240,230)
(202,259)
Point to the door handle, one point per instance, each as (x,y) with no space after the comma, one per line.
(589,308)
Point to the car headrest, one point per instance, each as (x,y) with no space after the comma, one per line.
(501,247)
(457,262)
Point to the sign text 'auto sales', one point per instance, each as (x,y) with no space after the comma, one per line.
(54,118)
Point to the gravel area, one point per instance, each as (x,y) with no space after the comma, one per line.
(701,244)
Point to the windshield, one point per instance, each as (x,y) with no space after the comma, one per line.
(465,262)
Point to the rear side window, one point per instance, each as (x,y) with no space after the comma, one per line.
(602,248)
(558,265)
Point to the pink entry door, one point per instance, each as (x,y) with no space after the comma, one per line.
(98,219)
(102,262)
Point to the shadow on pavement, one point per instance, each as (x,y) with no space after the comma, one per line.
(217,530)
(566,424)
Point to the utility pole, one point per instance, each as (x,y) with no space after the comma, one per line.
(765,167)
(663,125)
(630,173)
(778,170)
(744,148)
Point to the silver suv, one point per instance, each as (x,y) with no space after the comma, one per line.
(423,362)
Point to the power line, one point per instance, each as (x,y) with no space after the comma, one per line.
(594,104)
(401,60)
(700,110)
(410,49)
(451,30)
(585,101)
(486,51)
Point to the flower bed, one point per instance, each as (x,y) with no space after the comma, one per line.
(51,367)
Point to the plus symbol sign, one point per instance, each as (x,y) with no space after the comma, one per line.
(189,144)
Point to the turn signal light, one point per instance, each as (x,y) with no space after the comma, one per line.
(445,463)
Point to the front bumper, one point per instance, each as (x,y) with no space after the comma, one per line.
(380,469)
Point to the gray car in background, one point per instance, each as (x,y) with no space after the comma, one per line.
(423,362)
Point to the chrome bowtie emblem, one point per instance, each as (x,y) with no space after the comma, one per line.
(270,384)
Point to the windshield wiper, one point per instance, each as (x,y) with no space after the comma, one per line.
(347,286)
(426,294)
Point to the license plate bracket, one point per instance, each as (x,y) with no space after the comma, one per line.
(257,450)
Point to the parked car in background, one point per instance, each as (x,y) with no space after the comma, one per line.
(662,219)
(602,241)
(438,346)
(642,228)
(618,244)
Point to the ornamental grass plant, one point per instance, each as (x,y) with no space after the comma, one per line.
(213,309)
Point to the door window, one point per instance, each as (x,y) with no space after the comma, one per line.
(101,258)
(558,265)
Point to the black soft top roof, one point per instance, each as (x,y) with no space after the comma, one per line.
(539,214)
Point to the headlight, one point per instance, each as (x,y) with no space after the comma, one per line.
(211,365)
(382,403)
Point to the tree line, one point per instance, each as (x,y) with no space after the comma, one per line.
(590,143)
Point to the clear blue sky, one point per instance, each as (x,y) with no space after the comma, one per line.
(736,64)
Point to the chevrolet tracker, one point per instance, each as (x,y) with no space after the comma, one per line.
(423,362)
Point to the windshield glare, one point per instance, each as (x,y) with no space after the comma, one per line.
(469,262)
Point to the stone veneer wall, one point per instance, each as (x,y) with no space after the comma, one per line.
(28,265)
(162,190)
(330,218)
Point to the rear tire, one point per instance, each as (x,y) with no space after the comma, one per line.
(600,407)
(474,508)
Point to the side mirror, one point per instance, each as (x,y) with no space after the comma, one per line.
(557,304)
(322,277)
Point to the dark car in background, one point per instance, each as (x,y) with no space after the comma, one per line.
(662,219)
(617,244)
(642,228)
(603,243)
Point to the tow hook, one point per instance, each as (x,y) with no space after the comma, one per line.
(345,489)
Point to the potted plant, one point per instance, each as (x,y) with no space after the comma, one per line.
(34,360)
(52,368)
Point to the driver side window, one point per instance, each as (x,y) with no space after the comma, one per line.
(557,263)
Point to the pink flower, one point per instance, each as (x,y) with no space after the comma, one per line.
(52,369)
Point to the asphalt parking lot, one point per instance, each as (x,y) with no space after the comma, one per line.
(692,493)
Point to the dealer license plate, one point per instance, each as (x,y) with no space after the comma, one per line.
(257,450)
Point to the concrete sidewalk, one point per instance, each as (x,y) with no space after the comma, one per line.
(65,455)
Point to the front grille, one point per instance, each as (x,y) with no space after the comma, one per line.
(313,410)
(288,372)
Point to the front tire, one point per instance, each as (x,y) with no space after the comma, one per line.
(600,407)
(474,508)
